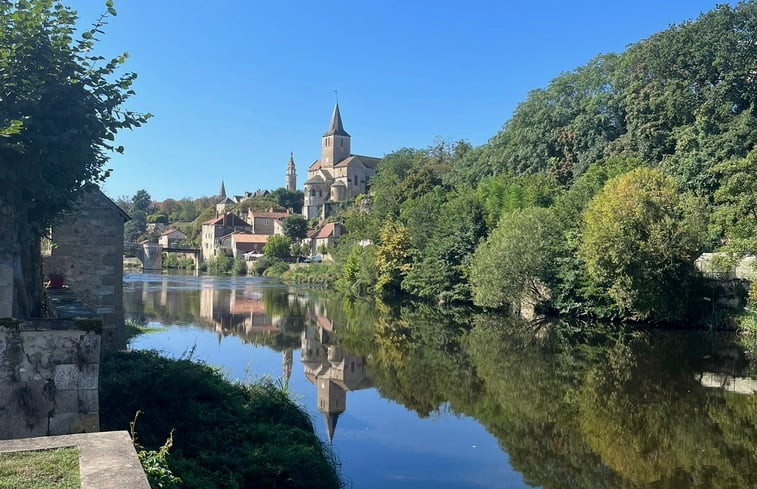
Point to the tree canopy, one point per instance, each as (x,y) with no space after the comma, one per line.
(61,107)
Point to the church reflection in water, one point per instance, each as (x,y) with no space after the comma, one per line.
(331,369)
(274,317)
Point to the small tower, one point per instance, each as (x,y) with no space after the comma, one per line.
(222,193)
(335,144)
(291,174)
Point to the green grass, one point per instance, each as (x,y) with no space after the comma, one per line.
(133,329)
(43,469)
(226,435)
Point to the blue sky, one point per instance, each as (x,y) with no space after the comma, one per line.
(235,85)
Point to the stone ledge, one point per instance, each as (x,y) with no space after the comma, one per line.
(106,459)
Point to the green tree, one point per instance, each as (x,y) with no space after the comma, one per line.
(736,201)
(278,246)
(61,107)
(394,256)
(517,260)
(639,242)
(295,227)
(141,201)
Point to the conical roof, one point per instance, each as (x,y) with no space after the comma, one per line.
(336,127)
(222,193)
(331,419)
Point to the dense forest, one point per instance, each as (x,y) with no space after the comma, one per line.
(594,199)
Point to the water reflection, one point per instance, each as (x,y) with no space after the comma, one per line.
(588,406)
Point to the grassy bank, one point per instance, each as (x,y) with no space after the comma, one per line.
(226,435)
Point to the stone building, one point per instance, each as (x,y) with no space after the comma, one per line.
(291,182)
(339,175)
(88,251)
(171,238)
(265,222)
(215,229)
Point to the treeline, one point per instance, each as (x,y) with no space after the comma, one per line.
(594,199)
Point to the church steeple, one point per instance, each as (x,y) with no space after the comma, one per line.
(291,178)
(336,127)
(222,193)
(335,144)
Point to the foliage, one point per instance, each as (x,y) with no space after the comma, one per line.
(278,246)
(639,243)
(736,203)
(442,271)
(295,227)
(393,258)
(154,462)
(517,259)
(61,107)
(226,435)
(504,193)
(264,263)
(683,99)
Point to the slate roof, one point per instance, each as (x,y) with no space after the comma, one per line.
(336,127)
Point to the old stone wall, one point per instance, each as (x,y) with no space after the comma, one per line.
(48,379)
(88,251)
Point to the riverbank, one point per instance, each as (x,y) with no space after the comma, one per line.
(225,434)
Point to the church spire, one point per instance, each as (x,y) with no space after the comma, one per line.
(291,175)
(336,127)
(222,193)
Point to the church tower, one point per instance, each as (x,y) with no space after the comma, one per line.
(291,174)
(335,144)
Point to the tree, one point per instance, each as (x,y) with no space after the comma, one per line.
(141,201)
(393,259)
(639,242)
(736,200)
(61,107)
(517,259)
(295,227)
(278,246)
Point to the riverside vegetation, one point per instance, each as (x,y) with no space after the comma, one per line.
(593,201)
(220,434)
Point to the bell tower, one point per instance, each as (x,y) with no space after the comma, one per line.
(291,174)
(335,144)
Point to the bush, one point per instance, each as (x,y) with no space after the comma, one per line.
(225,435)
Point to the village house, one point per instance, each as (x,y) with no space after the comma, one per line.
(171,238)
(265,222)
(214,229)
(325,236)
(238,243)
(339,175)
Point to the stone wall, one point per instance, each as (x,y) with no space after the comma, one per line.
(48,378)
(88,250)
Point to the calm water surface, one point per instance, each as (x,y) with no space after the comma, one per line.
(419,398)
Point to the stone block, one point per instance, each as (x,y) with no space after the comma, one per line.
(69,423)
(74,377)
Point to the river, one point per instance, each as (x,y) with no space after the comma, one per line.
(416,397)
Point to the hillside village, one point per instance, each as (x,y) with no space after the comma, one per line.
(239,226)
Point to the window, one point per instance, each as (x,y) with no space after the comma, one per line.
(355,180)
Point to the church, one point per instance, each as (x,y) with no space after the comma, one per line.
(339,175)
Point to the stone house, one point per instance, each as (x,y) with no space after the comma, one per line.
(214,229)
(339,175)
(88,252)
(325,236)
(239,243)
(265,222)
(171,237)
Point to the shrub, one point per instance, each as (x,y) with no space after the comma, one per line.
(225,435)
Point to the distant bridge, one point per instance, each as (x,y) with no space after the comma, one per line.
(151,254)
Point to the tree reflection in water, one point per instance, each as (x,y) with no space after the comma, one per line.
(585,406)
